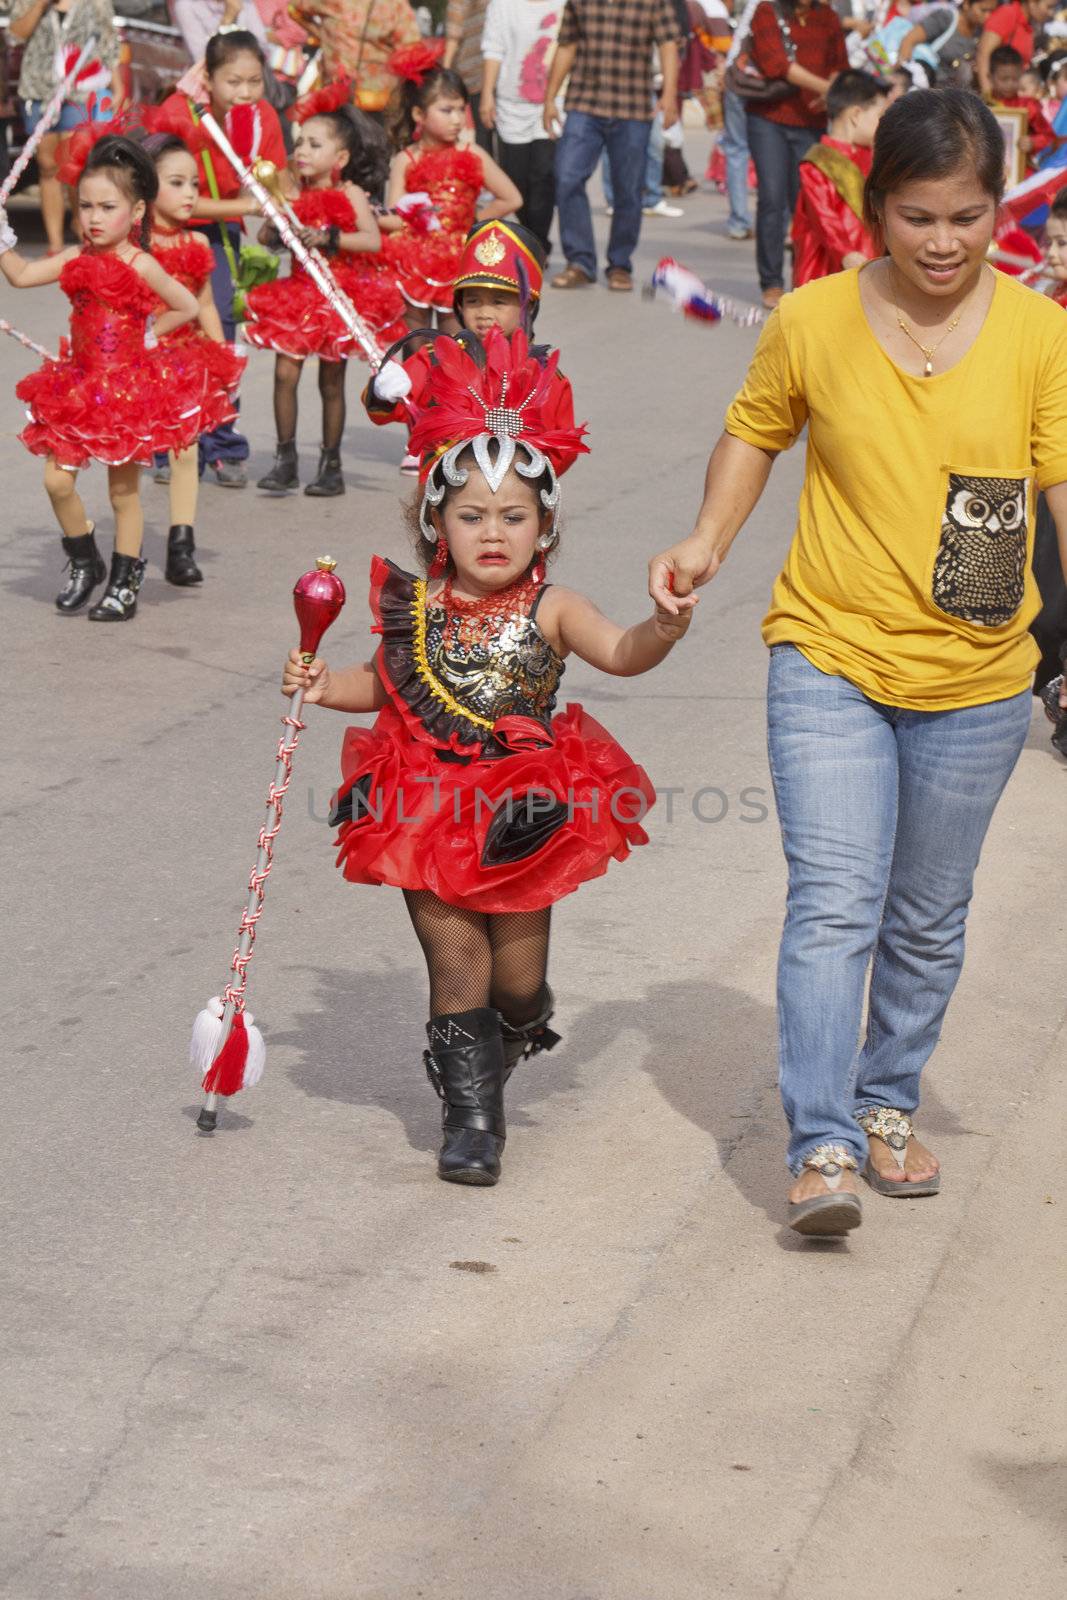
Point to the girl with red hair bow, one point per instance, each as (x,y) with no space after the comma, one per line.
(469,793)
(425,119)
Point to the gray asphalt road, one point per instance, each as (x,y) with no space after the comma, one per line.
(287,1362)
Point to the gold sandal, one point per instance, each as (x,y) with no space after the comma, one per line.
(894,1129)
(828,1214)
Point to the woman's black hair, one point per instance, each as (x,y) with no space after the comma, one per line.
(930,134)
(399,114)
(221,48)
(127,163)
(365,143)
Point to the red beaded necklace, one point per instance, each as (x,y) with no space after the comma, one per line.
(165,232)
(474,622)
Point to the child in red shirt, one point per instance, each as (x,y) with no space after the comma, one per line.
(828,230)
(1005,73)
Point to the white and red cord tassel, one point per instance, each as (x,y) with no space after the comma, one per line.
(239,1065)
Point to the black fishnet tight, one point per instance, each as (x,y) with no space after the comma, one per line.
(287,372)
(474,959)
(331,391)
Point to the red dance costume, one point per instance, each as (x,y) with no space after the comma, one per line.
(828,222)
(107,398)
(467,785)
(291,315)
(425,264)
(189,260)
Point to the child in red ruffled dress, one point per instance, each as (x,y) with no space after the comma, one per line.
(108,398)
(186,256)
(425,120)
(340,158)
(469,793)
(497,285)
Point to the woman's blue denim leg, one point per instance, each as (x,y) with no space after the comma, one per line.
(577,153)
(224,443)
(953,768)
(734,143)
(833,756)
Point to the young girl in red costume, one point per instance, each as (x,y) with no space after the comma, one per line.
(107,398)
(426,117)
(187,257)
(340,155)
(234,94)
(468,793)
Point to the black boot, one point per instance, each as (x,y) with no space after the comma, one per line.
(87,569)
(530,1038)
(118,603)
(283,475)
(329,480)
(465,1064)
(181,564)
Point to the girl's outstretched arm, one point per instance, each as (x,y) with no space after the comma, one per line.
(624,652)
(348,689)
(22,273)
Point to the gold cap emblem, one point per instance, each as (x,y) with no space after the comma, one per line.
(490,250)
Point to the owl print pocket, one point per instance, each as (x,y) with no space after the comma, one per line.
(979,569)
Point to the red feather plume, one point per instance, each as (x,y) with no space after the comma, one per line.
(416,61)
(74,151)
(331,97)
(172,118)
(461,394)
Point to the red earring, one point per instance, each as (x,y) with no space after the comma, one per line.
(335,173)
(440,557)
(537,571)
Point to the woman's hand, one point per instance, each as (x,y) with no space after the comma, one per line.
(313,679)
(487,110)
(673,575)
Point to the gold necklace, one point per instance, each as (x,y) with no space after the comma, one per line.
(929,351)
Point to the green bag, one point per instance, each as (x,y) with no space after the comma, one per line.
(254,264)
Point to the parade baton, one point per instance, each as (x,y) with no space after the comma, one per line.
(698,300)
(311,261)
(24,339)
(49,115)
(226,1048)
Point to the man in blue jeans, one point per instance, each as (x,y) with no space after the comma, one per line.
(605,48)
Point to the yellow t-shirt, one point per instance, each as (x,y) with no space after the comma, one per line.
(909,573)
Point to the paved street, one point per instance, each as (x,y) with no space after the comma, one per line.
(286,1363)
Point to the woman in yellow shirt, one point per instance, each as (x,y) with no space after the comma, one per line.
(934,391)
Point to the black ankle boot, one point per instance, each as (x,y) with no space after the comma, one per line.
(530,1038)
(465,1064)
(87,569)
(118,603)
(329,480)
(181,566)
(283,475)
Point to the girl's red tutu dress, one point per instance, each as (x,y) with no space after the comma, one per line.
(425,264)
(467,785)
(291,315)
(107,398)
(191,263)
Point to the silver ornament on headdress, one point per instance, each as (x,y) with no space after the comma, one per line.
(496,451)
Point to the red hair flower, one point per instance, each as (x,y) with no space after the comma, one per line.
(321,102)
(172,117)
(74,151)
(415,62)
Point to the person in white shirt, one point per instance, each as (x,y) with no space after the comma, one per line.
(517,43)
(198,20)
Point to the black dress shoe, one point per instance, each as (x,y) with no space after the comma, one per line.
(329,480)
(465,1064)
(181,568)
(87,569)
(118,602)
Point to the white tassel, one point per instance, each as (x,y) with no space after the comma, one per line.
(207,1036)
(257,1054)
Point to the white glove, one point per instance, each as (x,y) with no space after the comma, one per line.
(8,236)
(391,382)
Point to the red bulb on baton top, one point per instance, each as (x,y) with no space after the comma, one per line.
(317,601)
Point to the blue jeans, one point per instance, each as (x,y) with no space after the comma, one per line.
(653,186)
(734,144)
(225,443)
(777,152)
(583,138)
(883,813)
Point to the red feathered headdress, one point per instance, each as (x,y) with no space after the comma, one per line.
(74,151)
(513,397)
(173,117)
(322,101)
(415,62)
